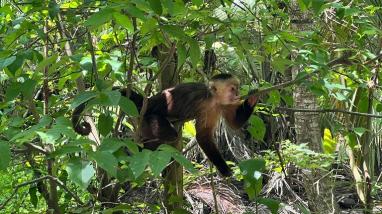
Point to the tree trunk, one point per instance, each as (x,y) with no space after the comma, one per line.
(316,182)
(173,175)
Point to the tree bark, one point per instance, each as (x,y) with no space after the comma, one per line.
(173,174)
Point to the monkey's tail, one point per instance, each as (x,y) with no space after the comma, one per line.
(84,128)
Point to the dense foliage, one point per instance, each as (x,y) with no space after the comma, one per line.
(56,55)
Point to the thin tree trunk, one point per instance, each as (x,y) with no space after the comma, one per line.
(173,179)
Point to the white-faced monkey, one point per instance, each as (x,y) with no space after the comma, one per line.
(184,102)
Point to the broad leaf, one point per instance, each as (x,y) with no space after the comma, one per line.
(80,172)
(5,155)
(105,124)
(124,21)
(139,162)
(182,53)
(111,145)
(99,18)
(156,6)
(194,52)
(257,127)
(106,161)
(128,107)
(251,170)
(6,61)
(159,161)
(82,98)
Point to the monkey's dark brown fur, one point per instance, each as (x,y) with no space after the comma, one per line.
(187,101)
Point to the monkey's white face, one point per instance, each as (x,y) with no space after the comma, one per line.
(227,93)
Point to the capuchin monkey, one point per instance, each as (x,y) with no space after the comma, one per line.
(187,101)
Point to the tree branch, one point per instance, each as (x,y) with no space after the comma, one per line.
(321,111)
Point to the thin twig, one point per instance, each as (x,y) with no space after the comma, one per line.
(321,111)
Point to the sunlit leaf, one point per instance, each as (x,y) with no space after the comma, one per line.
(80,172)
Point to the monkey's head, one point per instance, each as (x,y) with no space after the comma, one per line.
(225,88)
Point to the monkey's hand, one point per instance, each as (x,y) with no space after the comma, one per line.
(252,100)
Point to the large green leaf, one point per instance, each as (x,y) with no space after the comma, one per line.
(105,124)
(257,127)
(106,161)
(111,145)
(4,62)
(251,170)
(128,107)
(175,31)
(194,52)
(182,53)
(139,162)
(99,18)
(80,172)
(82,98)
(156,6)
(159,161)
(5,155)
(124,21)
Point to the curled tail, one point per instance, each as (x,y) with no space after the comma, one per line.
(84,128)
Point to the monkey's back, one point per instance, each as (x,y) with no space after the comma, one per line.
(182,102)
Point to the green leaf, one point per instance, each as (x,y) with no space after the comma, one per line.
(128,107)
(124,21)
(274,98)
(62,126)
(359,131)
(378,108)
(197,2)
(13,91)
(106,161)
(135,12)
(33,195)
(156,6)
(133,147)
(139,161)
(46,62)
(149,25)
(17,64)
(182,53)
(111,145)
(105,124)
(80,172)
(184,162)
(27,135)
(114,97)
(273,205)
(27,88)
(5,155)
(317,5)
(99,18)
(159,161)
(66,149)
(46,138)
(257,127)
(6,61)
(82,97)
(175,31)
(194,52)
(251,170)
